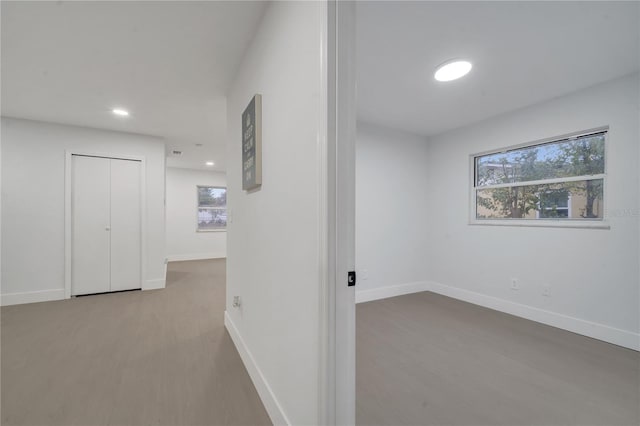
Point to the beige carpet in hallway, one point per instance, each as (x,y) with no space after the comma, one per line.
(425,359)
(157,357)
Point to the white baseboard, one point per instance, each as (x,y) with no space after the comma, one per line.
(624,338)
(195,256)
(271,404)
(602,332)
(154,284)
(31,297)
(391,291)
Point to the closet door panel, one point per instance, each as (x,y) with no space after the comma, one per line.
(90,271)
(126,229)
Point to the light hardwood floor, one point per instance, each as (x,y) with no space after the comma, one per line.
(157,357)
(425,359)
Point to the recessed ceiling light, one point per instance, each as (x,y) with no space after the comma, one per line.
(209,163)
(121,112)
(452,70)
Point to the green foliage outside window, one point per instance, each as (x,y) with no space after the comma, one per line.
(580,157)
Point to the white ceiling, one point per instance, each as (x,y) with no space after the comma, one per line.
(523,53)
(168,63)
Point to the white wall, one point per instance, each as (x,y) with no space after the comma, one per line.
(273,235)
(391,208)
(593,273)
(33,182)
(183,241)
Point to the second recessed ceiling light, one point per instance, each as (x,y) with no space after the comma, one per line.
(452,70)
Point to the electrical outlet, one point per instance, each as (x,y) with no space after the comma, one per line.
(237,302)
(515,284)
(546,290)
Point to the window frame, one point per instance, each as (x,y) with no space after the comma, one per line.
(198,207)
(593,223)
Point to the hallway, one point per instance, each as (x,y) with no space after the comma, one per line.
(159,357)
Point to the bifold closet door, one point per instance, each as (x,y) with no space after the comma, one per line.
(106,225)
(125,224)
(90,266)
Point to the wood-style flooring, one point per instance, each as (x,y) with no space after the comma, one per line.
(163,357)
(425,359)
(160,357)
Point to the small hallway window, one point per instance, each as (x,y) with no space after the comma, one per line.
(212,208)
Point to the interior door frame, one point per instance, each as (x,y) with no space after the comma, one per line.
(68,166)
(337,361)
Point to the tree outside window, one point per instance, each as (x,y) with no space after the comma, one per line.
(558,180)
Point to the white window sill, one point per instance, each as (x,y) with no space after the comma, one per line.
(544,223)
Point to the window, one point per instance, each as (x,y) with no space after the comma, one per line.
(212,208)
(560,180)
